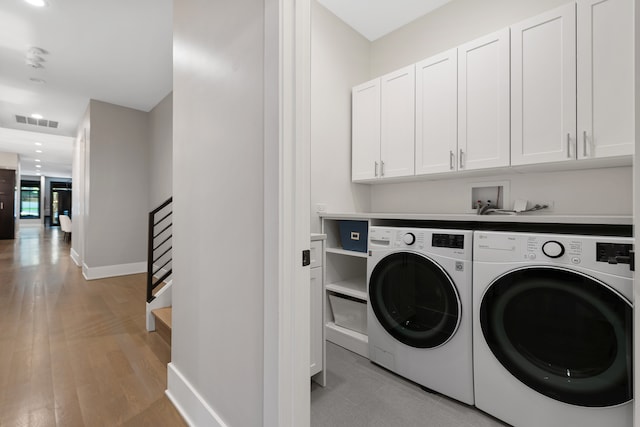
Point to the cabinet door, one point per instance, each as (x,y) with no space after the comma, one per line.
(543,88)
(483,102)
(436,113)
(317,324)
(365,128)
(605,78)
(397,123)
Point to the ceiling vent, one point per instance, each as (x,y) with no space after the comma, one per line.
(36,122)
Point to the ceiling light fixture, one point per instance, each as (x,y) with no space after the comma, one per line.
(38,143)
(37,3)
(38,166)
(36,116)
(38,151)
(37,160)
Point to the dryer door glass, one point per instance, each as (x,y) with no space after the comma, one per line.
(414,299)
(564,334)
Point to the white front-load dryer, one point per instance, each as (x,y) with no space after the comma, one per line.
(419,311)
(552,338)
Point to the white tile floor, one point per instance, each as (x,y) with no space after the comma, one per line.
(360,393)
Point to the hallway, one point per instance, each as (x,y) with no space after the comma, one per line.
(73,352)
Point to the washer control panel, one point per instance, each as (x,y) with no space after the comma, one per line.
(454,241)
(447,242)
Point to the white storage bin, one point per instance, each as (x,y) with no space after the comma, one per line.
(349,313)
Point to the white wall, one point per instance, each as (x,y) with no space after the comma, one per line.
(161,151)
(219,217)
(9,161)
(80,185)
(118,184)
(572,192)
(339,61)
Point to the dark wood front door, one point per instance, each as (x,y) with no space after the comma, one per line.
(7,203)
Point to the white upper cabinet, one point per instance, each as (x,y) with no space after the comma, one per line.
(365,128)
(483,102)
(397,123)
(543,88)
(436,114)
(605,78)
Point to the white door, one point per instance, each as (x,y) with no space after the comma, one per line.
(365,131)
(483,102)
(436,113)
(397,123)
(543,88)
(605,78)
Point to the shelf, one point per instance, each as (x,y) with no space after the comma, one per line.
(355,288)
(351,340)
(345,252)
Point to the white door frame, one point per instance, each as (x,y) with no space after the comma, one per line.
(636,219)
(287,219)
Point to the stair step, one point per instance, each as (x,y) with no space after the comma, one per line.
(163,323)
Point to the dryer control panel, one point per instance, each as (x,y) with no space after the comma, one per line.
(612,255)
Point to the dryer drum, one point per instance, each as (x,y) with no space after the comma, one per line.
(415,300)
(564,334)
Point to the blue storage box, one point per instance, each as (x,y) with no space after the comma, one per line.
(353,235)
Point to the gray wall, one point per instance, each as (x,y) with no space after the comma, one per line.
(339,61)
(160,151)
(117,176)
(219,217)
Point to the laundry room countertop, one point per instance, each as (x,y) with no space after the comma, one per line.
(518,218)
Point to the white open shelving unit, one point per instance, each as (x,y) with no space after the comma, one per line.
(345,276)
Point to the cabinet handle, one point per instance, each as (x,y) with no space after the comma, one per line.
(381,167)
(375,169)
(1,205)
(569,145)
(584,143)
(461,154)
(451,159)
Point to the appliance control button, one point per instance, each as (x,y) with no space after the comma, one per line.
(553,249)
(531,255)
(575,260)
(409,238)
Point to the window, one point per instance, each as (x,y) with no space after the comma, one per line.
(29,199)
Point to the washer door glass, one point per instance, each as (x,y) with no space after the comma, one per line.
(563,334)
(414,299)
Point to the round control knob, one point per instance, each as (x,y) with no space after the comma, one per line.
(553,249)
(409,238)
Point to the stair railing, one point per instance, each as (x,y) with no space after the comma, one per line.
(159,255)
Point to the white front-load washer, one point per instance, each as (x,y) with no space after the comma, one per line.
(419,311)
(552,337)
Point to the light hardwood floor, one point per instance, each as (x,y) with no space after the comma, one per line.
(75,352)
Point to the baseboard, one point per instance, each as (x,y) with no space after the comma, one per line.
(192,407)
(75,257)
(92,273)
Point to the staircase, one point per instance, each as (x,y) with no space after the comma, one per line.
(159,270)
(163,323)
